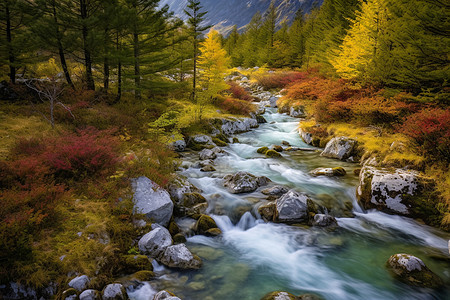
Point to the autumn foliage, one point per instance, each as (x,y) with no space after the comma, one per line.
(279,80)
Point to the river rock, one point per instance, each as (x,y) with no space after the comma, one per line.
(208,168)
(412,270)
(323,220)
(276,191)
(243,182)
(202,139)
(392,191)
(178,146)
(306,136)
(279,295)
(178,187)
(80,283)
(189,205)
(273,101)
(155,242)
(204,223)
(233,126)
(206,154)
(338,171)
(69,294)
(152,201)
(179,256)
(114,291)
(340,147)
(90,295)
(165,295)
(267,211)
(297,112)
(294,207)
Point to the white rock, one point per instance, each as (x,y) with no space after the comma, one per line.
(114,291)
(179,186)
(163,295)
(179,256)
(89,295)
(306,136)
(292,207)
(202,139)
(233,126)
(152,201)
(178,146)
(339,147)
(155,242)
(206,154)
(297,112)
(80,283)
(243,182)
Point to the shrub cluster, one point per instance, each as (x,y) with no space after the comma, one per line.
(280,80)
(234,106)
(238,92)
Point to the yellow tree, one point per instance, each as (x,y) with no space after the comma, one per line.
(364,42)
(213,64)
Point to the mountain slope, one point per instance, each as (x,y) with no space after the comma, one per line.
(226,13)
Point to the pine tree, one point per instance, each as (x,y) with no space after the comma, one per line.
(196,18)
(213,63)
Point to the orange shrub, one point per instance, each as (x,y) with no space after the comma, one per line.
(234,106)
(280,80)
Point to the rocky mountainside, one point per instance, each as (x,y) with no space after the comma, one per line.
(226,13)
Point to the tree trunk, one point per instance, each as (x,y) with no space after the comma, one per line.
(106,64)
(137,72)
(11,57)
(62,57)
(119,71)
(87,52)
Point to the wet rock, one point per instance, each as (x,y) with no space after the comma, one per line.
(207,154)
(309,297)
(260,119)
(322,220)
(90,295)
(338,171)
(155,242)
(213,232)
(273,101)
(200,142)
(297,112)
(80,283)
(294,207)
(142,276)
(395,191)
(235,140)
(277,191)
(243,182)
(268,211)
(189,205)
(234,125)
(306,136)
(272,154)
(165,295)
(204,223)
(179,256)
(262,150)
(134,263)
(202,139)
(220,142)
(340,147)
(178,146)
(179,238)
(178,187)
(114,291)
(279,295)
(286,143)
(412,270)
(173,228)
(278,148)
(208,168)
(152,201)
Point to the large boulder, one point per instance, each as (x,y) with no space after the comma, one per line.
(412,270)
(152,201)
(340,147)
(233,126)
(206,154)
(294,207)
(164,295)
(155,242)
(394,191)
(243,182)
(80,283)
(204,224)
(114,291)
(179,256)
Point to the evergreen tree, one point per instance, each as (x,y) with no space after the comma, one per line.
(297,40)
(196,18)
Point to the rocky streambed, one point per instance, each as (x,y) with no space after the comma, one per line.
(292,222)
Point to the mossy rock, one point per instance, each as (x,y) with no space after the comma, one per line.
(278,148)
(316,142)
(143,275)
(192,199)
(179,238)
(262,150)
(219,142)
(173,228)
(208,168)
(339,171)
(213,232)
(272,154)
(235,140)
(135,263)
(222,137)
(323,142)
(204,223)
(309,297)
(279,295)
(357,171)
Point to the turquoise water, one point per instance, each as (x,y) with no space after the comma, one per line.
(253,258)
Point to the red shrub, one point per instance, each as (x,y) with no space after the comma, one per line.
(238,92)
(280,80)
(430,129)
(234,106)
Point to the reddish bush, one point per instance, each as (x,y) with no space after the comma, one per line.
(280,80)
(430,129)
(234,106)
(238,92)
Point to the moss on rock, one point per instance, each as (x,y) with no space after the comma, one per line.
(272,154)
(219,142)
(205,223)
(339,171)
(143,275)
(262,150)
(278,148)
(135,263)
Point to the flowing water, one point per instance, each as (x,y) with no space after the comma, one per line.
(252,258)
